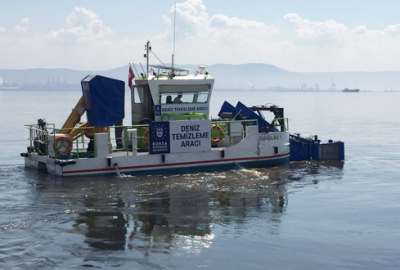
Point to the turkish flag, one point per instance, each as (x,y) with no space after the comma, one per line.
(131,76)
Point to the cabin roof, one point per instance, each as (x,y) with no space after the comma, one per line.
(169,68)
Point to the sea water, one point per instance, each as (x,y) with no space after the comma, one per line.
(305,215)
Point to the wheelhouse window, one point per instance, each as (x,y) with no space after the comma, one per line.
(174,94)
(137,94)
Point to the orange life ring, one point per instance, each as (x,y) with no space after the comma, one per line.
(145,134)
(221,134)
(62,144)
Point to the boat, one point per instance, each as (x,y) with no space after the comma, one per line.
(346,90)
(171,129)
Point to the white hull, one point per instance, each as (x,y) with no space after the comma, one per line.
(255,150)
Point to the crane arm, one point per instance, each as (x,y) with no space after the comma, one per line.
(71,126)
(75,116)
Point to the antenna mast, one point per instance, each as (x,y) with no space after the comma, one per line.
(148,48)
(173,53)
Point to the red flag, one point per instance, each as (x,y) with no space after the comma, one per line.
(131,76)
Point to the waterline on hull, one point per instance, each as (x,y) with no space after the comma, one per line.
(188,166)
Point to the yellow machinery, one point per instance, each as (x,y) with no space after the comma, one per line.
(74,119)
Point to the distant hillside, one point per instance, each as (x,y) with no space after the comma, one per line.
(42,75)
(262,76)
(245,76)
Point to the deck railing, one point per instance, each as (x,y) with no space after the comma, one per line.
(40,138)
(280,124)
(123,143)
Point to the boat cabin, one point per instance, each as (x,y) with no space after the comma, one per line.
(171,94)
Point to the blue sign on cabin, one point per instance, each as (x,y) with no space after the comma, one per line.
(180,136)
(159,138)
(157,109)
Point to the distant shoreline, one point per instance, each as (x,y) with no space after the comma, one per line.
(215,90)
(287,90)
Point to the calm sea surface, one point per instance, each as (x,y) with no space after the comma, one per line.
(306,215)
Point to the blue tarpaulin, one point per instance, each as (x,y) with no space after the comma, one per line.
(227,110)
(105,99)
(242,112)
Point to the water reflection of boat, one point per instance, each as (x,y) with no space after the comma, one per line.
(154,215)
(104,230)
(164,220)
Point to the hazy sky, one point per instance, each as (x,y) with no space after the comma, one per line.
(307,35)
